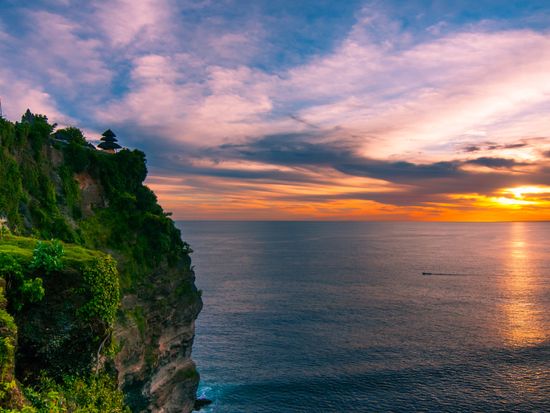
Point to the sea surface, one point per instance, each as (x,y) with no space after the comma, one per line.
(338,316)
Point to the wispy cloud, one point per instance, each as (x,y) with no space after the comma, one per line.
(142,24)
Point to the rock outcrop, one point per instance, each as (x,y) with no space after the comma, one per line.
(156,336)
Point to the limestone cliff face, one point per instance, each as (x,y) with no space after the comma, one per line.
(91,193)
(156,335)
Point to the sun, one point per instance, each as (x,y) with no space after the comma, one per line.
(512,202)
(522,196)
(522,191)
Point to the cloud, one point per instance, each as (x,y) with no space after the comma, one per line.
(143,23)
(491,146)
(309,150)
(70,62)
(218,92)
(472,148)
(48,63)
(402,100)
(18,95)
(223,104)
(320,166)
(411,99)
(498,163)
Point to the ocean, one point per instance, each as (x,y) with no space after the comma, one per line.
(341,317)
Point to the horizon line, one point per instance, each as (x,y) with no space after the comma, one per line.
(351,220)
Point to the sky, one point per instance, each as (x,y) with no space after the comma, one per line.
(301,109)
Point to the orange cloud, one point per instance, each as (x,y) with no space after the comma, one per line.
(248,201)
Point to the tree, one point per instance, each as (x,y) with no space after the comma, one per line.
(71,135)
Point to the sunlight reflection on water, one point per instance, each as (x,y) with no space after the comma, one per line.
(521,284)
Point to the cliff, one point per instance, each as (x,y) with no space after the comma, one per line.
(55,186)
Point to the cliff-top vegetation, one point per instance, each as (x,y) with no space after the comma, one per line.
(60,300)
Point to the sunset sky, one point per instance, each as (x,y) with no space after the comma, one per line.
(291,110)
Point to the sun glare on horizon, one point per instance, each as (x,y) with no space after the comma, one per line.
(524,196)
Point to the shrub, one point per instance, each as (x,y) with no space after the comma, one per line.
(10,269)
(21,290)
(102,289)
(32,290)
(92,394)
(47,256)
(71,134)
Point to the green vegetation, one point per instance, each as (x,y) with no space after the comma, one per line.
(133,223)
(28,195)
(9,393)
(21,288)
(102,290)
(92,394)
(20,258)
(32,290)
(47,256)
(42,198)
(70,135)
(7,344)
(22,249)
(59,299)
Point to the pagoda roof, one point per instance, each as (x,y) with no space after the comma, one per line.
(108,136)
(109,145)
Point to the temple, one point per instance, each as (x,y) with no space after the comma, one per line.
(109,142)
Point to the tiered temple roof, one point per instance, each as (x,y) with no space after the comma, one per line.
(109,141)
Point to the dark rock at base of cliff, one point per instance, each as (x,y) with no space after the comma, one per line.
(200,403)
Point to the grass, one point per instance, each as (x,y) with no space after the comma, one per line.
(21,248)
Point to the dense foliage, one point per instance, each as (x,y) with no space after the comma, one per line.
(47,256)
(43,198)
(63,298)
(28,195)
(8,334)
(91,394)
(67,383)
(22,287)
(133,223)
(101,287)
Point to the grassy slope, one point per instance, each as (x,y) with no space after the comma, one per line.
(21,248)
